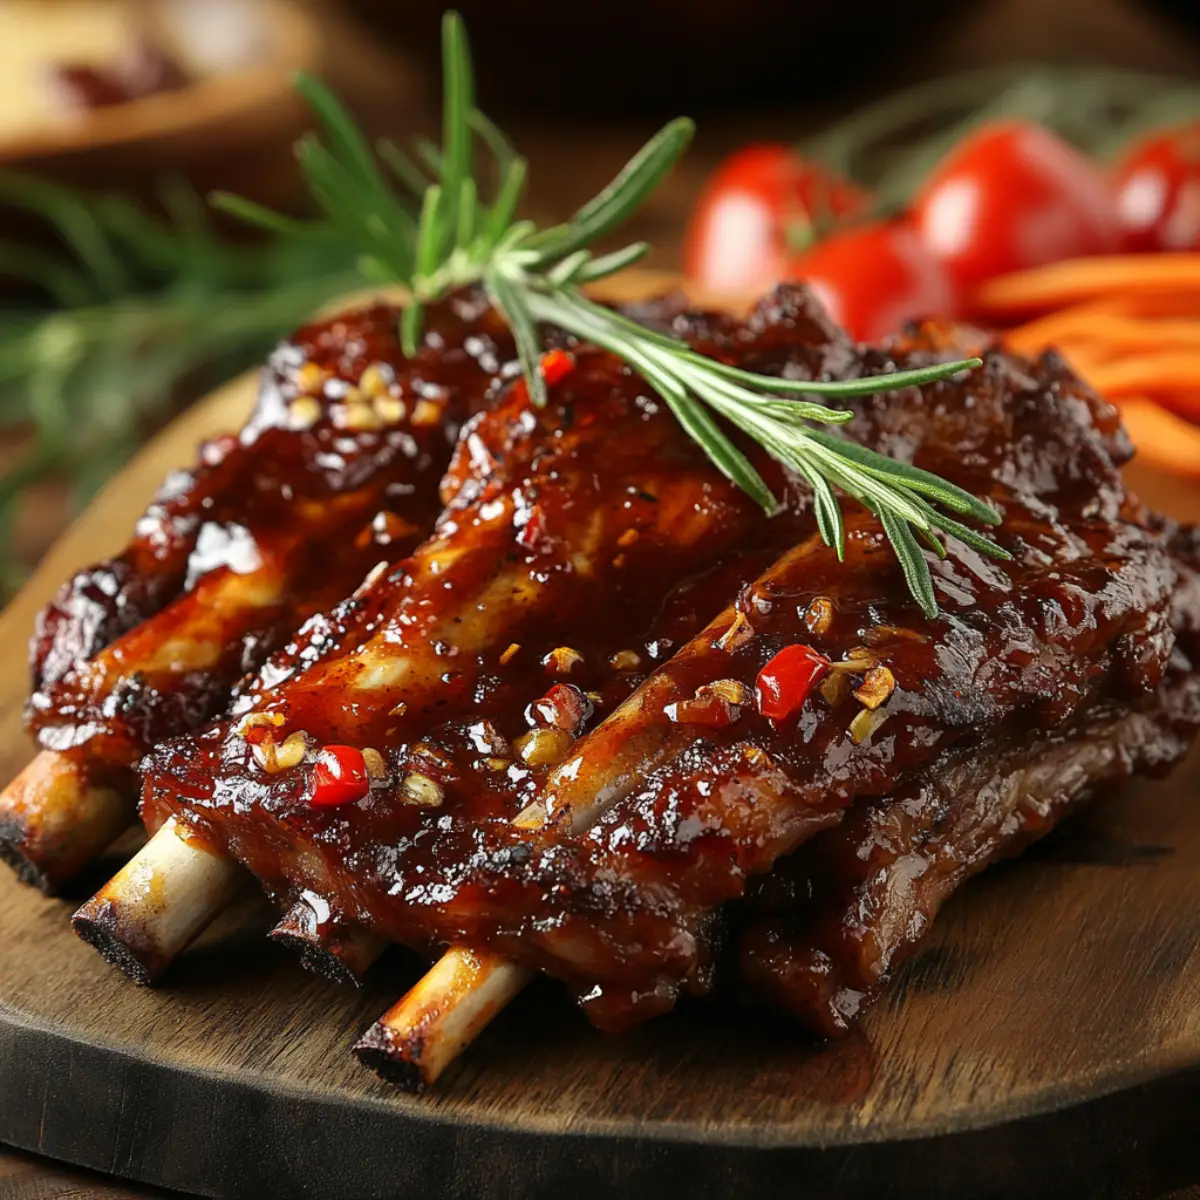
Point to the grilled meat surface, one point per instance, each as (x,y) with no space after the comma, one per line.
(504,664)
(583,542)
(834,921)
(336,470)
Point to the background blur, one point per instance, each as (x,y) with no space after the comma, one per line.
(165,101)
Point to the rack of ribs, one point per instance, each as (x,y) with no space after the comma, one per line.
(469,669)
(552,737)
(336,470)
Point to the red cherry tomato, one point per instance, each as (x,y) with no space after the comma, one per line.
(761,206)
(785,682)
(1014,195)
(1158,192)
(340,777)
(874,279)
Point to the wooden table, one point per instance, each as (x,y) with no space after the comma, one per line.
(567,168)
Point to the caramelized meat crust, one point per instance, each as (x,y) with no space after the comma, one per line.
(584,630)
(336,470)
(833,922)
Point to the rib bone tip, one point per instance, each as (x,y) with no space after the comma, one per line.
(26,869)
(316,959)
(395,1061)
(153,908)
(341,953)
(97,924)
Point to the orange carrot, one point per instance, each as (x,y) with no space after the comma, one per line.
(1109,335)
(1130,326)
(1080,279)
(1161,437)
(1136,375)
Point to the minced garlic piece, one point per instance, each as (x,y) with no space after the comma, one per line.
(303,413)
(421,790)
(877,685)
(373,760)
(544,747)
(625,660)
(357,417)
(375,380)
(819,615)
(426,412)
(731,690)
(866,723)
(256,720)
(738,634)
(835,687)
(291,753)
(390,410)
(562,660)
(311,378)
(273,758)
(509,654)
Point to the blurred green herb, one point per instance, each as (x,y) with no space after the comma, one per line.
(135,312)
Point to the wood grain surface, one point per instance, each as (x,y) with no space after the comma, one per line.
(1047,1037)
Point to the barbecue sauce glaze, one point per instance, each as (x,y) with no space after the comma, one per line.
(336,471)
(534,608)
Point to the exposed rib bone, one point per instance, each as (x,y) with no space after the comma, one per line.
(153,908)
(54,819)
(421,1035)
(343,954)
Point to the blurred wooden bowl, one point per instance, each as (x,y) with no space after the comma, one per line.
(233,129)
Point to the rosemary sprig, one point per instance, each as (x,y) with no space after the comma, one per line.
(534,276)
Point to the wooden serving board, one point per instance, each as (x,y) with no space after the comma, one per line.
(1046,1041)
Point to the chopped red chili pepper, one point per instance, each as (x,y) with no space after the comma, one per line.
(533,532)
(785,682)
(340,777)
(563,707)
(556,365)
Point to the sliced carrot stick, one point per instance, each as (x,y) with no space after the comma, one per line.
(1079,279)
(1109,335)
(1139,374)
(1057,327)
(1161,437)
(1152,305)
